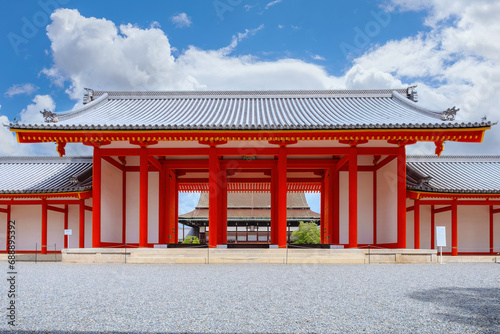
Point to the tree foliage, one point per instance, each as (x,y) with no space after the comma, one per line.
(307,233)
(191,240)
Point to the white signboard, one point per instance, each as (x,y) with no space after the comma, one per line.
(441,236)
(67,232)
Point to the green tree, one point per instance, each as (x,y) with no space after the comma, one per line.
(191,240)
(308,233)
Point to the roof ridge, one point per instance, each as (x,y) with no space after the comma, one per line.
(258,93)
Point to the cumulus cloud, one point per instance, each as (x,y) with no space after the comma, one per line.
(181,20)
(26,88)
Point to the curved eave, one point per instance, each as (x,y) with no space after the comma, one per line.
(415,194)
(474,134)
(73,194)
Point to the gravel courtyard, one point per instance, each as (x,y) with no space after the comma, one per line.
(75,298)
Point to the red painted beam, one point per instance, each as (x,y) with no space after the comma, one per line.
(317,151)
(166,152)
(186,164)
(495,210)
(248,164)
(88,208)
(96,200)
(385,161)
(9,218)
(155,163)
(143,197)
(460,202)
(4,210)
(353,197)
(445,209)
(113,162)
(38,202)
(360,168)
(410,208)
(378,151)
(124,152)
(56,209)
(242,151)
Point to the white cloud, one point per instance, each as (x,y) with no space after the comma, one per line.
(181,20)
(238,38)
(317,57)
(31,114)
(26,88)
(272,3)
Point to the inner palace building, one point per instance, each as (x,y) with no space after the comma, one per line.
(246,151)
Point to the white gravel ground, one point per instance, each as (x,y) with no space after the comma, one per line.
(256,298)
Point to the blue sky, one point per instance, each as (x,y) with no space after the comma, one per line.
(52,49)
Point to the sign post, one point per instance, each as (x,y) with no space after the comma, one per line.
(68,233)
(441,239)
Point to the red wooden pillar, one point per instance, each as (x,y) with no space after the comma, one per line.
(222,203)
(282,192)
(454,232)
(335,231)
(66,237)
(175,227)
(213,209)
(81,223)
(143,197)
(491,228)
(375,205)
(44,226)
(401,202)
(124,206)
(162,207)
(323,225)
(96,198)
(416,224)
(171,206)
(353,197)
(433,227)
(274,205)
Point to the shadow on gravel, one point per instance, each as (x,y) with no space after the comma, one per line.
(478,307)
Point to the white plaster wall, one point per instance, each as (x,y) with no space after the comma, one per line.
(387,203)
(344,207)
(473,228)
(365,207)
(410,224)
(55,229)
(28,226)
(3,230)
(153,190)
(111,203)
(132,207)
(74,225)
(425,227)
(88,224)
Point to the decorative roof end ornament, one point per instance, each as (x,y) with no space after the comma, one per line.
(88,95)
(411,93)
(49,116)
(449,114)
